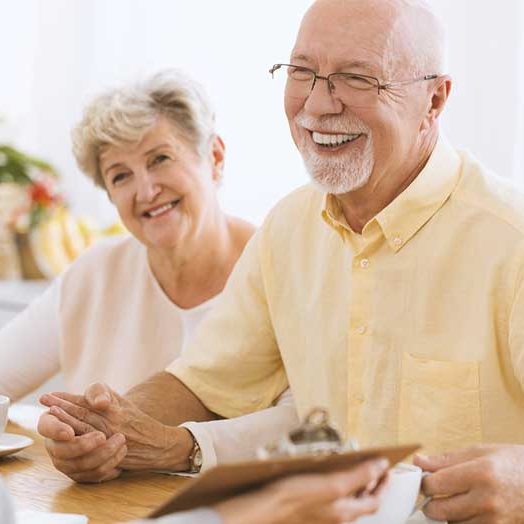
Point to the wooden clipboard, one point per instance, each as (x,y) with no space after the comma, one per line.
(232,479)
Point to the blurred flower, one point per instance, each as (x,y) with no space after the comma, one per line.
(40,182)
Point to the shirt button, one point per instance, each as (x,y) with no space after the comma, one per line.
(361,330)
(397,241)
(364,263)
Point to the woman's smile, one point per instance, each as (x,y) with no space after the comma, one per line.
(161,210)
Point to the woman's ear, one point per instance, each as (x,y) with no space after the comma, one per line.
(218,155)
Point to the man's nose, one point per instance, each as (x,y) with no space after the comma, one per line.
(148,187)
(322,100)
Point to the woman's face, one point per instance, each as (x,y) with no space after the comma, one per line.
(165,193)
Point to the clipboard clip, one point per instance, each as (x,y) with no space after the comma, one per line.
(315,436)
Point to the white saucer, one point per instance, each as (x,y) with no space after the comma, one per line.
(11,443)
(420,518)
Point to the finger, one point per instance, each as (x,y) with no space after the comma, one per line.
(381,485)
(77,447)
(453,480)
(49,399)
(92,478)
(348,509)
(374,487)
(456,508)
(99,396)
(79,427)
(351,482)
(96,460)
(436,462)
(108,470)
(52,428)
(479,519)
(82,414)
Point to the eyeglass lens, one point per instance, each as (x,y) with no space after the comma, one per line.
(352,90)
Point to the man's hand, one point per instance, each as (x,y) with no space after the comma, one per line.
(480,485)
(150,444)
(333,498)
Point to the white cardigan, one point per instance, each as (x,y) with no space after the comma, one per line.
(107,320)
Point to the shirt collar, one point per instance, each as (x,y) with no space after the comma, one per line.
(332,214)
(415,206)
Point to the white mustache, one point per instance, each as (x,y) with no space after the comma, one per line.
(332,124)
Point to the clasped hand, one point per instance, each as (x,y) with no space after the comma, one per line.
(93,437)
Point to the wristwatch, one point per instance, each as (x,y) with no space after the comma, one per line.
(195,457)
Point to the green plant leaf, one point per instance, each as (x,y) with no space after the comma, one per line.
(16,166)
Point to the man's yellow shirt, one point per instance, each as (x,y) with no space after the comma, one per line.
(412,331)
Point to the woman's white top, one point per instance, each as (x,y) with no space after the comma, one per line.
(107,320)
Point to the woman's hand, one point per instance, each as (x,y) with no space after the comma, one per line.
(334,498)
(86,458)
(149,444)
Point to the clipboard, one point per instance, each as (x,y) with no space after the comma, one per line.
(228,480)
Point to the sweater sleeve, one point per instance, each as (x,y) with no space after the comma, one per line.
(29,345)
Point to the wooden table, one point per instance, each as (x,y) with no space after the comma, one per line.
(35,484)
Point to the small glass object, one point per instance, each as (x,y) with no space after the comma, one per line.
(315,436)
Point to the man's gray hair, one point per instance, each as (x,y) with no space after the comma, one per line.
(123,115)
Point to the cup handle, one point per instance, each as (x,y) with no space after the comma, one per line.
(426,500)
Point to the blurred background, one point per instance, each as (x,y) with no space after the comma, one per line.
(56,53)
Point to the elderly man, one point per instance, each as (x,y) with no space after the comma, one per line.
(389,291)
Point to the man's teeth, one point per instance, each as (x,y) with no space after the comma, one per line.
(163,209)
(332,140)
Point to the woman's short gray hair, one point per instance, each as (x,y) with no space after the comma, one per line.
(123,115)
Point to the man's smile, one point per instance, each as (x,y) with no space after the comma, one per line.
(333,141)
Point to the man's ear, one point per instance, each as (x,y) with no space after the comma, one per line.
(218,155)
(439,98)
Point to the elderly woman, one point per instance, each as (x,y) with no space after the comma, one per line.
(126,308)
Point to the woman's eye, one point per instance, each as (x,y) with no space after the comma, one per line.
(160,158)
(118,178)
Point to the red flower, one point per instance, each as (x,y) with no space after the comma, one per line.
(41,194)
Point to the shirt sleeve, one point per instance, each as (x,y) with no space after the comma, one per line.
(7,512)
(239,438)
(29,345)
(233,363)
(197,516)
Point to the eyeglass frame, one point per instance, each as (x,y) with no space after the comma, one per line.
(327,78)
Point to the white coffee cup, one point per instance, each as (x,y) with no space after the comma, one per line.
(399,496)
(4,406)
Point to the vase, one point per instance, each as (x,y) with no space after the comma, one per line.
(12,197)
(28,267)
(9,261)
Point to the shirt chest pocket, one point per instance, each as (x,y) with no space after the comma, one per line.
(439,404)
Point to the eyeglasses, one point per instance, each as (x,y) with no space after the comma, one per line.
(356,90)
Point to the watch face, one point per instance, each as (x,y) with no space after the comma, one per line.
(197,460)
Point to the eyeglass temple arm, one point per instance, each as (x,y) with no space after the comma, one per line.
(276,67)
(405,82)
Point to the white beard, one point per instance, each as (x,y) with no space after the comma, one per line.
(344,173)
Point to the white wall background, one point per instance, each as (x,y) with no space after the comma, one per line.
(56,53)
(486,60)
